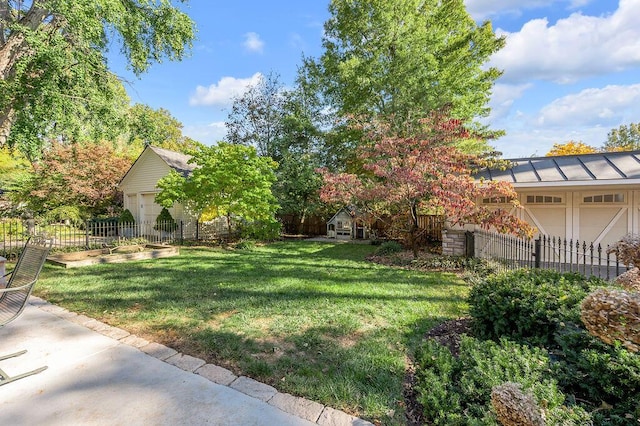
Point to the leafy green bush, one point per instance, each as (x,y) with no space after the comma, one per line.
(246,245)
(64,213)
(595,372)
(389,247)
(12,227)
(543,308)
(530,305)
(457,391)
(126,217)
(265,230)
(472,265)
(165,222)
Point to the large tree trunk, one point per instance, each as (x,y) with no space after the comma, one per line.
(301,222)
(14,47)
(414,228)
(6,121)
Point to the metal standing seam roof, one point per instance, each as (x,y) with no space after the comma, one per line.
(569,168)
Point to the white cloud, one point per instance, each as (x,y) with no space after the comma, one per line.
(223,92)
(480,10)
(253,42)
(208,134)
(586,116)
(607,106)
(575,47)
(502,98)
(536,143)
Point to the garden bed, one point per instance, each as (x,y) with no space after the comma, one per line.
(112,255)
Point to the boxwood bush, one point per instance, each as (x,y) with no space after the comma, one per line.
(457,391)
(529,304)
(600,375)
(527,330)
(542,308)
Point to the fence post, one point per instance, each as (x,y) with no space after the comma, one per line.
(86,234)
(538,253)
(198,230)
(181,232)
(469,244)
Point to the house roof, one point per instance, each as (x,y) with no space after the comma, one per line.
(599,168)
(176,160)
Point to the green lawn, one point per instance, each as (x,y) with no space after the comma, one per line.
(312,319)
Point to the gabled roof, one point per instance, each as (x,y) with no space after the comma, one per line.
(598,168)
(176,160)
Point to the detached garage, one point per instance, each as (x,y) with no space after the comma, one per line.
(139,185)
(590,197)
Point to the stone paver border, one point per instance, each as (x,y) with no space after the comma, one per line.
(300,407)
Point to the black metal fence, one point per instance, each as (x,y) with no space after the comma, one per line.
(103,232)
(546,252)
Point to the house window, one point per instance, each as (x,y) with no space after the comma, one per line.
(495,200)
(604,198)
(544,199)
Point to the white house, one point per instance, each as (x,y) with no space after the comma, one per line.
(589,197)
(139,185)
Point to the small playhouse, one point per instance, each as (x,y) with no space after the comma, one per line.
(346,224)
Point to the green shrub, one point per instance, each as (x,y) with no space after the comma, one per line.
(458,391)
(64,213)
(12,227)
(389,247)
(529,305)
(472,265)
(595,372)
(126,217)
(264,230)
(165,222)
(543,308)
(246,245)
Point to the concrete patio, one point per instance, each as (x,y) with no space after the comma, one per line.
(101,375)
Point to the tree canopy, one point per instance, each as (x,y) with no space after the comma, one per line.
(282,124)
(83,178)
(232,179)
(157,127)
(404,176)
(570,148)
(54,79)
(400,60)
(623,138)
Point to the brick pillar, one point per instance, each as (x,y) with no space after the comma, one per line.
(453,242)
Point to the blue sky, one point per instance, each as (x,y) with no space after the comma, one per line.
(571,67)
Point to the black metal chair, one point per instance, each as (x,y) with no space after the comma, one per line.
(14,297)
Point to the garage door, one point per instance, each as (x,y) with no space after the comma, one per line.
(604,217)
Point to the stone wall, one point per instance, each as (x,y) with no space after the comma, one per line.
(453,242)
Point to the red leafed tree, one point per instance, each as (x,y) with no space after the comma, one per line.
(403,176)
(84,177)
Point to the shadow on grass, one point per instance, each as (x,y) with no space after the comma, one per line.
(312,319)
